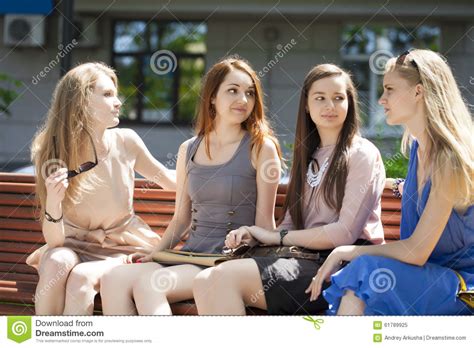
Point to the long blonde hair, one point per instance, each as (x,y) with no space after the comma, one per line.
(68,122)
(449,125)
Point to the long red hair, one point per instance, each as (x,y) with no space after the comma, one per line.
(256,124)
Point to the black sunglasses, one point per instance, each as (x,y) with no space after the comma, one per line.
(84,167)
(401,59)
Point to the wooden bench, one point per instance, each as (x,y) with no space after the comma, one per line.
(20,234)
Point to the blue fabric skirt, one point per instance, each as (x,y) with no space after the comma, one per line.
(391,287)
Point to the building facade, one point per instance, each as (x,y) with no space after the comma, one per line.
(281,39)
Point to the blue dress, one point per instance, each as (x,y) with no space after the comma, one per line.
(391,287)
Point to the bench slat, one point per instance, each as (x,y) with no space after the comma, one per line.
(12,258)
(17,268)
(14,295)
(16,187)
(20,224)
(17,199)
(391,232)
(141,206)
(21,236)
(16,247)
(391,218)
(19,277)
(18,212)
(15,309)
(16,177)
(19,285)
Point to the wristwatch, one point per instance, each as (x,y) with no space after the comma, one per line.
(51,219)
(283,233)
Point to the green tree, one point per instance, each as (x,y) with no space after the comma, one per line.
(7,95)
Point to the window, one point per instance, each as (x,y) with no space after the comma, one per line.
(364,52)
(160,66)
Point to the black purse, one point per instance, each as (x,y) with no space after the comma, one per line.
(246,251)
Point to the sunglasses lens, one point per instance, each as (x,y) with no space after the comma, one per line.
(86,166)
(401,59)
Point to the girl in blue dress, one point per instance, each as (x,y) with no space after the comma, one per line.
(430,271)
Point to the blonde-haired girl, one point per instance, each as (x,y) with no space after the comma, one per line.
(87,204)
(431,267)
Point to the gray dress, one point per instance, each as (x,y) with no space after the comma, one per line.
(223,197)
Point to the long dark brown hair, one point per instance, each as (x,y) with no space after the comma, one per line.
(256,124)
(307,139)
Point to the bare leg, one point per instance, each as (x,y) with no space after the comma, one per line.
(351,304)
(116,287)
(155,290)
(53,273)
(228,288)
(84,283)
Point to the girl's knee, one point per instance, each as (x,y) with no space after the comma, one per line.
(218,278)
(222,273)
(58,262)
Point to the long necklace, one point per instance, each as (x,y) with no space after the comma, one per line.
(314,179)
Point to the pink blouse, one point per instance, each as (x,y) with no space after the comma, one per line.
(359,217)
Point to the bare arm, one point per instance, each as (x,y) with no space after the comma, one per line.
(147,165)
(56,186)
(268,178)
(181,220)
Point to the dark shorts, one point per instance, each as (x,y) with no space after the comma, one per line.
(284,283)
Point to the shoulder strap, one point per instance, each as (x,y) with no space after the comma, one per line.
(192,148)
